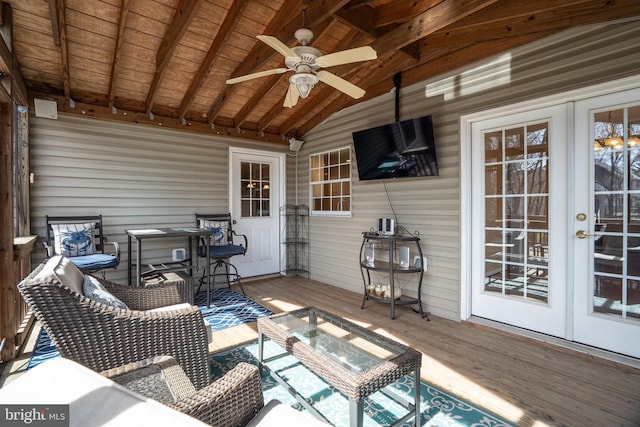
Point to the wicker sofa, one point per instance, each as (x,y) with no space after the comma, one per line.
(101,336)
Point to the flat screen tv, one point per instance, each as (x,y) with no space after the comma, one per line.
(397,150)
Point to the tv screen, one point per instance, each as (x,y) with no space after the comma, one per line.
(397,150)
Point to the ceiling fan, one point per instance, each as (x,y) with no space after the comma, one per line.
(306,62)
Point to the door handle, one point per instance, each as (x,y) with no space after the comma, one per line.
(233,221)
(581,234)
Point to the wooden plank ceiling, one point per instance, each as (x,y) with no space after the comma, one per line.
(165,62)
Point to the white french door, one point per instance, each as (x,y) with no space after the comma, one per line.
(555,220)
(606,223)
(256,192)
(518,219)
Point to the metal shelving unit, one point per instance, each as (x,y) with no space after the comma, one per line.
(295,240)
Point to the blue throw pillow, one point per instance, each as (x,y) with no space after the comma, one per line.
(92,288)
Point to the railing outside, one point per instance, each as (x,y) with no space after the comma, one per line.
(14,322)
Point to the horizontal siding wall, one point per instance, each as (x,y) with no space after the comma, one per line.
(135,176)
(431,206)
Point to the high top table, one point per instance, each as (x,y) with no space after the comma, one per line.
(158,233)
(356,361)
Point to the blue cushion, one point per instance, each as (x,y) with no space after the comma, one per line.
(92,288)
(94,262)
(225,251)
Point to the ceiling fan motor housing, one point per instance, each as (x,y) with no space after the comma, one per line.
(306,59)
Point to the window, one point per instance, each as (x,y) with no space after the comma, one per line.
(330,182)
(255,185)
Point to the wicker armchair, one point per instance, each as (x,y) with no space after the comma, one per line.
(101,336)
(230,401)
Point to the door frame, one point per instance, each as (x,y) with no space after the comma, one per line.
(466,122)
(281,158)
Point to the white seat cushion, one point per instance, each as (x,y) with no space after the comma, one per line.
(94,400)
(277,414)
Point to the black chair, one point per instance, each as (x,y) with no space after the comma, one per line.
(222,247)
(81,239)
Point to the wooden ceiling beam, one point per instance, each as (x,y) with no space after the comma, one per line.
(428,22)
(435,66)
(115,63)
(399,12)
(55,26)
(283,28)
(185,13)
(130,116)
(230,21)
(511,11)
(58,20)
(11,83)
(362,20)
(547,22)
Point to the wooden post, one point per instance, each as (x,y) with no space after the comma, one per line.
(7,279)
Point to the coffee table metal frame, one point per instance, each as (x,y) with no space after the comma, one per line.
(357,382)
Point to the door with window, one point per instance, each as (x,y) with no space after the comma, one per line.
(606,223)
(256,191)
(556,221)
(519,203)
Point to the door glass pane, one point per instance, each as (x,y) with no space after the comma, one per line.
(616,259)
(255,189)
(516,212)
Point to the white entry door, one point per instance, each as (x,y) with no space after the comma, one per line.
(606,223)
(518,221)
(256,191)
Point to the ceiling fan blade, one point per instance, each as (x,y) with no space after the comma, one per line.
(256,75)
(365,53)
(291,98)
(280,47)
(341,84)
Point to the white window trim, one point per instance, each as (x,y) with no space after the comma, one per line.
(314,212)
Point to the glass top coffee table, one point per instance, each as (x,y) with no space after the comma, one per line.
(353,359)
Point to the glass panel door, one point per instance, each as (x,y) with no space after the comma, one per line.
(607,223)
(519,207)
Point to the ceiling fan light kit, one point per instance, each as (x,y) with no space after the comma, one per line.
(304,82)
(306,62)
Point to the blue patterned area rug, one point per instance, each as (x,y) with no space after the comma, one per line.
(228,308)
(438,408)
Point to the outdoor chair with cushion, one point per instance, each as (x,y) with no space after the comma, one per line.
(222,247)
(103,325)
(81,239)
(95,400)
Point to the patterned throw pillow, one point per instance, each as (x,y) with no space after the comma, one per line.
(74,239)
(219,231)
(92,288)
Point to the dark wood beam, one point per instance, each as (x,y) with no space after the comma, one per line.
(115,64)
(230,21)
(185,13)
(545,21)
(283,27)
(12,84)
(363,20)
(399,12)
(410,75)
(132,116)
(55,26)
(61,24)
(428,22)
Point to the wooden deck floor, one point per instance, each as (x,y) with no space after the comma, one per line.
(526,381)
